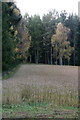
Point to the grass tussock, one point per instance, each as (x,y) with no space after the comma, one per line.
(34,94)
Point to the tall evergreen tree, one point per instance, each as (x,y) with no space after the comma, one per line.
(72,23)
(9,21)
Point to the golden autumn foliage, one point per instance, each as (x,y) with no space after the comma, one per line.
(16,12)
(60,43)
(24,39)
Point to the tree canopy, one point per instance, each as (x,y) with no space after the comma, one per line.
(54,39)
(60,43)
(11,18)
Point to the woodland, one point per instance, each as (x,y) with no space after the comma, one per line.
(52,39)
(40,59)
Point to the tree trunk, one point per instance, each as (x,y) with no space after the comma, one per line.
(30,59)
(61,62)
(74,51)
(37,56)
(51,56)
(45,57)
(56,55)
(68,60)
(48,60)
(56,61)
(64,60)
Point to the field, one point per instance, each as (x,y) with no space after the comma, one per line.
(41,91)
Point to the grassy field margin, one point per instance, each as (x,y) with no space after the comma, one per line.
(10,73)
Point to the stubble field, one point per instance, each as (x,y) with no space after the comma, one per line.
(50,91)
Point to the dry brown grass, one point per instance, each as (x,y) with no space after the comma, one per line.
(42,83)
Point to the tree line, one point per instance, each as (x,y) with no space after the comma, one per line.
(15,36)
(52,39)
(55,38)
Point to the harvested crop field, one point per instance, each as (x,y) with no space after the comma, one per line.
(55,85)
(61,77)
